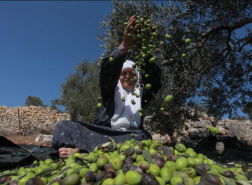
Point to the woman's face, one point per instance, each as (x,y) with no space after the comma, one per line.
(125,79)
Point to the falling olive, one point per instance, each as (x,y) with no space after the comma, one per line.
(99,105)
(152,60)
(188,41)
(148,86)
(183,55)
(168,37)
(111,59)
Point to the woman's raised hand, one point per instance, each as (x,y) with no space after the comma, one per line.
(128,41)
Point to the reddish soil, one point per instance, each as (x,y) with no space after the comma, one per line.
(24,140)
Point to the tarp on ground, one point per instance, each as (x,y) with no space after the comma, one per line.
(12,155)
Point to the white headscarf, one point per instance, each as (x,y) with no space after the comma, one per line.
(126,114)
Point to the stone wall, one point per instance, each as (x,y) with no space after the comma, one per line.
(25,120)
(29,119)
(241,130)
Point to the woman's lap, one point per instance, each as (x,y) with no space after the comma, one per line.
(86,136)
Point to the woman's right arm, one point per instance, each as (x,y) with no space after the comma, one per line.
(110,71)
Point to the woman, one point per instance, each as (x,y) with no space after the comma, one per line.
(123,96)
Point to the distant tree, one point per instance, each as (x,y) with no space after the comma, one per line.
(248,110)
(198,106)
(33,100)
(217,66)
(54,105)
(80,92)
(240,118)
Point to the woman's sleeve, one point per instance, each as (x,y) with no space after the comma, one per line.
(110,72)
(154,72)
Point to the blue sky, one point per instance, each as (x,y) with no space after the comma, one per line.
(41,42)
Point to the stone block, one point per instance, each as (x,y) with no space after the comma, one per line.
(202,133)
(193,133)
(222,130)
(201,124)
(220,147)
(204,116)
(156,137)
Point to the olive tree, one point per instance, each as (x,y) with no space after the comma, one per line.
(34,100)
(80,91)
(216,65)
(248,110)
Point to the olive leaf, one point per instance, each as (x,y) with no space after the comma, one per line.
(77,170)
(8,174)
(106,144)
(167,151)
(113,142)
(147,156)
(243,182)
(228,181)
(57,178)
(65,169)
(139,170)
(45,171)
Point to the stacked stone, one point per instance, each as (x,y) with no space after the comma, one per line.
(30,118)
(196,125)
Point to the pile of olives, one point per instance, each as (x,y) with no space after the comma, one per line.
(132,162)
